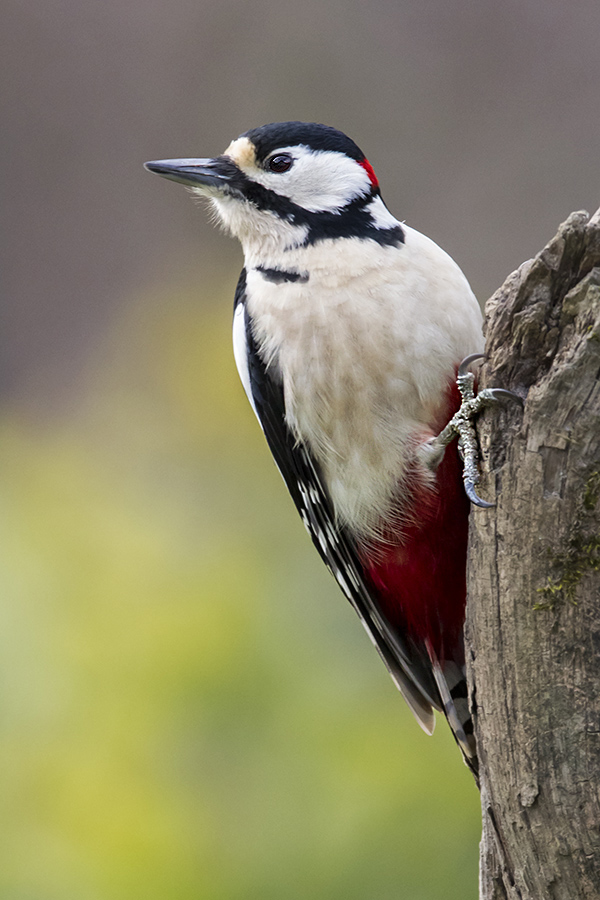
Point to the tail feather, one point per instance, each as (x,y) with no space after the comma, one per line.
(452,684)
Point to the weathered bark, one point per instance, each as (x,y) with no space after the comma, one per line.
(533,620)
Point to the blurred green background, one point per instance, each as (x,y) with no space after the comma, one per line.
(189,708)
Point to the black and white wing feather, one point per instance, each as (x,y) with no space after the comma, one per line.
(409,664)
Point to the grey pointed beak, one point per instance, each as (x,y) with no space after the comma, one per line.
(194,172)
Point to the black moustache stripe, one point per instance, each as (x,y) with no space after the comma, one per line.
(352,220)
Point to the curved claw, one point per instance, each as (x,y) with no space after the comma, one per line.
(474,498)
(462,369)
(461,424)
(503,396)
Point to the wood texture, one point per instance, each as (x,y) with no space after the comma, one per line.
(533,619)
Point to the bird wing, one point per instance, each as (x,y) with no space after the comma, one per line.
(408,663)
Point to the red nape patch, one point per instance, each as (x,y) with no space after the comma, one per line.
(421,581)
(369,170)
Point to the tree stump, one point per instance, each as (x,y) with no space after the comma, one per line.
(533,617)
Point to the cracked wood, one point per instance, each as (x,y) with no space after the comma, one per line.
(533,618)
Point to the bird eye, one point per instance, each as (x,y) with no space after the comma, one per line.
(280,163)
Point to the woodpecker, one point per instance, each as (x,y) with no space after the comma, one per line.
(349,329)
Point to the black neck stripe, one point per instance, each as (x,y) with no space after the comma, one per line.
(279,276)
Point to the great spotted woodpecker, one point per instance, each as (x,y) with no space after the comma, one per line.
(349,329)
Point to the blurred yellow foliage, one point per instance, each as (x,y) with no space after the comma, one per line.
(189,708)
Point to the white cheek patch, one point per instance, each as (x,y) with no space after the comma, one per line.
(319,180)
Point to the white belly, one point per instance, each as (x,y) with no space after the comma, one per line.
(367,352)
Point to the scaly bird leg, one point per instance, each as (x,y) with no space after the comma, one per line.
(461,426)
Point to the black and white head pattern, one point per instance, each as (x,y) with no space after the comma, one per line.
(313,177)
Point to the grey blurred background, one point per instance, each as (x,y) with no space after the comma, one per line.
(481,119)
(188,708)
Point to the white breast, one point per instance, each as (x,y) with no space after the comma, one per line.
(367,348)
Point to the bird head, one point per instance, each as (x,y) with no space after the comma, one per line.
(289,184)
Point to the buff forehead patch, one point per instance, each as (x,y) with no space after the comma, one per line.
(242,152)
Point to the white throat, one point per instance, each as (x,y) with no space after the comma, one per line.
(261,233)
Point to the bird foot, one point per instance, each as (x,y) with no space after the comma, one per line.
(461,426)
